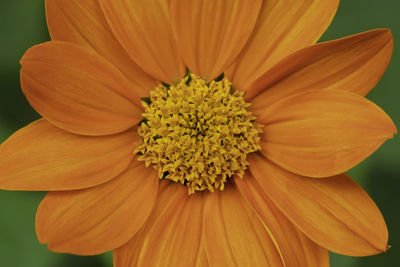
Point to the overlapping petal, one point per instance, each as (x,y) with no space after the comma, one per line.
(283,27)
(172,234)
(144,30)
(211,33)
(323,133)
(77,90)
(355,63)
(234,235)
(95,220)
(83,23)
(296,249)
(43,157)
(335,212)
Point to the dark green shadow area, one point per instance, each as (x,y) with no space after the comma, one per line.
(22,25)
(384,187)
(92,261)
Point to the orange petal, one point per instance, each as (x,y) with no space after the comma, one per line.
(295,247)
(234,235)
(83,23)
(335,212)
(202,260)
(144,30)
(283,27)
(94,220)
(171,235)
(211,33)
(43,157)
(355,63)
(323,133)
(77,90)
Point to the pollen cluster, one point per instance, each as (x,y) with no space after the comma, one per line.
(197,133)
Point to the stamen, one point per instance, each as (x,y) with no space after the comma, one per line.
(197,133)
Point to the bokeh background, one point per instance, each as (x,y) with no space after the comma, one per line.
(23,24)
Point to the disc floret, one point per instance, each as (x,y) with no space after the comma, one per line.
(197,133)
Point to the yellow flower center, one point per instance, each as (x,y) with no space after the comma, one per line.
(197,133)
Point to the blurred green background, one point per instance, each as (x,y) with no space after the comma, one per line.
(23,24)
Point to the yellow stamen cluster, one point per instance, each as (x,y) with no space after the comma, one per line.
(197,133)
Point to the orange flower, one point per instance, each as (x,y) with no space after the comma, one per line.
(293,203)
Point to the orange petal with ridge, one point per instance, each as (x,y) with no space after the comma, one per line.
(234,234)
(355,63)
(43,157)
(296,248)
(83,23)
(94,220)
(172,234)
(77,90)
(211,33)
(334,212)
(144,30)
(323,133)
(202,259)
(283,27)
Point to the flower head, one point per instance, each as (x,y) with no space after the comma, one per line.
(201,133)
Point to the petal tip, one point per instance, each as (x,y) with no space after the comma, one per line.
(383,249)
(394,129)
(391,129)
(385,32)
